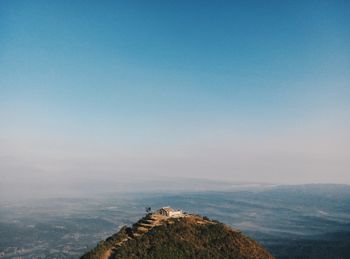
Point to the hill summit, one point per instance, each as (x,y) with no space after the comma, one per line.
(173,234)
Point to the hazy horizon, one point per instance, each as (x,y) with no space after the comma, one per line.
(237,91)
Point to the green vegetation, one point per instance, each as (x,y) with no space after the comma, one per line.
(109,243)
(188,237)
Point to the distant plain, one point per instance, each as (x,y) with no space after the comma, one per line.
(300,221)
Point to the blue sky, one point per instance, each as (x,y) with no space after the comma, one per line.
(154,80)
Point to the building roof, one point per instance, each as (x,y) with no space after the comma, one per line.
(167,209)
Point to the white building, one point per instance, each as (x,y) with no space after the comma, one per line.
(169,212)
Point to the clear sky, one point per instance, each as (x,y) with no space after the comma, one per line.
(252,91)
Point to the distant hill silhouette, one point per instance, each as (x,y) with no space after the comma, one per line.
(191,236)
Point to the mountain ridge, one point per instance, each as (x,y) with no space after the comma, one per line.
(181,236)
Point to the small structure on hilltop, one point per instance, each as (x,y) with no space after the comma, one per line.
(169,212)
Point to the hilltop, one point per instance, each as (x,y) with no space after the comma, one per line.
(178,236)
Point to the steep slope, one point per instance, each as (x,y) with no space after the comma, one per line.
(191,236)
